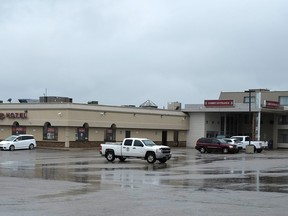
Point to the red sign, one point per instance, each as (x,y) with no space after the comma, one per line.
(219,103)
(51,130)
(81,130)
(13,115)
(271,104)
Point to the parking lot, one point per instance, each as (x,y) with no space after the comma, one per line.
(80,182)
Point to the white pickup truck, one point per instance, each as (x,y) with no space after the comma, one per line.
(136,148)
(244,141)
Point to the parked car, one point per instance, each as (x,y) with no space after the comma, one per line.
(234,141)
(22,141)
(213,144)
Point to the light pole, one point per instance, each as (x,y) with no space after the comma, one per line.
(250,114)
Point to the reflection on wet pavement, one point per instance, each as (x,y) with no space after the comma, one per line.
(265,172)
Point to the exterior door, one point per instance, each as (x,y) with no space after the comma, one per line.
(164,137)
(137,149)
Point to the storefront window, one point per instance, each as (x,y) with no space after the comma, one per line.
(110,134)
(49,132)
(82,134)
(18,130)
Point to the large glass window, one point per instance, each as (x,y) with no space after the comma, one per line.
(283,136)
(246,99)
(283,120)
(283,100)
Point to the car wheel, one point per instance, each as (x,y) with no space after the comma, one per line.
(12,148)
(259,150)
(110,156)
(225,150)
(151,158)
(202,150)
(31,146)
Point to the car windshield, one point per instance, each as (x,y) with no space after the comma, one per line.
(148,142)
(222,141)
(10,138)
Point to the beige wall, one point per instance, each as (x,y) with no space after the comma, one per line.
(68,117)
(5,131)
(197,128)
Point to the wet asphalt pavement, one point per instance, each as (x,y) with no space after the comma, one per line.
(80,182)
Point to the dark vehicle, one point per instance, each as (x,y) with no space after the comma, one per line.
(204,145)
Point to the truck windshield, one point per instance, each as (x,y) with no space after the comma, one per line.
(148,142)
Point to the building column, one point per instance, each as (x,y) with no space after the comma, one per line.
(275,131)
(67,140)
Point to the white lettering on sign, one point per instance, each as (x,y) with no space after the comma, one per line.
(219,103)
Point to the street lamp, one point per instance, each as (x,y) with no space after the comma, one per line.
(250,114)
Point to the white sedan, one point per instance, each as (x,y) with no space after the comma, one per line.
(234,141)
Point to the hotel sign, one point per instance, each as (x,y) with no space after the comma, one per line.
(219,103)
(271,104)
(12,115)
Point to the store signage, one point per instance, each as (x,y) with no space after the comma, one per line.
(13,115)
(271,104)
(219,103)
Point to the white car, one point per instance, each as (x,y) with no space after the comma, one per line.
(234,141)
(22,141)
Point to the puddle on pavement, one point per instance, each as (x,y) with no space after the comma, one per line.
(175,173)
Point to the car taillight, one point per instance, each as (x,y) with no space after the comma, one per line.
(100,147)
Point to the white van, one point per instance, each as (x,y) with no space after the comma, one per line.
(21,141)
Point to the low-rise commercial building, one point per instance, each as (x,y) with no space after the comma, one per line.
(58,122)
(67,124)
(259,113)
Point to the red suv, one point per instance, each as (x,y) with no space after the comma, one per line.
(213,144)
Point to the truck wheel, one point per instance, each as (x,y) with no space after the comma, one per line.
(259,150)
(122,159)
(110,156)
(255,149)
(162,160)
(151,158)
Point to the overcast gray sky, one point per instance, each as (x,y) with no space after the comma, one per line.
(128,51)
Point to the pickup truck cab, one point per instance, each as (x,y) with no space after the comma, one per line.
(245,140)
(141,148)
